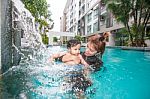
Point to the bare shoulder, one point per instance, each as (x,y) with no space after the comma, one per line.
(80,55)
(62,53)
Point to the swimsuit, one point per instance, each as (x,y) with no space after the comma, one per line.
(94,61)
(59,58)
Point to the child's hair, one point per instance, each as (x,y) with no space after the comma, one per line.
(72,43)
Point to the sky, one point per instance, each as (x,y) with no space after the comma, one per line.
(56,8)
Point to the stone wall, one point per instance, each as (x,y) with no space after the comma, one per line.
(6,35)
(16,50)
(10,37)
(0,38)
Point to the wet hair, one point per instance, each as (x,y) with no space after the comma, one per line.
(99,46)
(72,43)
(102,38)
(98,43)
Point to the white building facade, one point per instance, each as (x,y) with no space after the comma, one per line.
(88,17)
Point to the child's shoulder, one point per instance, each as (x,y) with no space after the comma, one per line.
(80,55)
(63,53)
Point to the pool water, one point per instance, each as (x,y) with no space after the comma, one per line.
(125,75)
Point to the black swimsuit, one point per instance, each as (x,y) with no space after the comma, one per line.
(94,61)
(59,58)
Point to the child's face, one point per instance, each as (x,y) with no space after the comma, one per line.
(75,50)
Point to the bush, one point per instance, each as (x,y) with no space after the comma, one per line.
(44,39)
(55,39)
(78,37)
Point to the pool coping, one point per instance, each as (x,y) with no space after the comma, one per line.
(131,48)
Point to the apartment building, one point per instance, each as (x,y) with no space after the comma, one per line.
(88,17)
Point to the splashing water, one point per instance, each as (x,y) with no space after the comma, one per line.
(31,37)
(35,77)
(38,78)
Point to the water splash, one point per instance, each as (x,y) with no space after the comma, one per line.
(31,37)
(35,76)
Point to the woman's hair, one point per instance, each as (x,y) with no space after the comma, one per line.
(98,42)
(72,43)
(101,37)
(98,45)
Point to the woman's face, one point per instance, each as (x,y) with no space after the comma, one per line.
(90,50)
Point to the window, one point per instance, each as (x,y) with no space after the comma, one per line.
(89,29)
(89,17)
(83,9)
(88,5)
(96,13)
(95,27)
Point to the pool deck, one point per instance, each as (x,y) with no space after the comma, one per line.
(131,48)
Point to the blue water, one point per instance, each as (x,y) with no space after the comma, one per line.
(125,75)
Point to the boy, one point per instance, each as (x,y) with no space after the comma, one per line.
(72,57)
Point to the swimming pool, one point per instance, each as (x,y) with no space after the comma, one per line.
(125,75)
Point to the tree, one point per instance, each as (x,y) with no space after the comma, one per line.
(44,38)
(121,37)
(55,39)
(78,37)
(39,9)
(138,10)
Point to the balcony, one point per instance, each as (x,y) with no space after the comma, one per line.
(103,10)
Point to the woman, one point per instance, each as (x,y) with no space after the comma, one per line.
(94,51)
(92,56)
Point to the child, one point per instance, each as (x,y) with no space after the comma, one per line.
(72,57)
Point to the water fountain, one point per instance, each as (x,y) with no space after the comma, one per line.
(28,74)
(18,34)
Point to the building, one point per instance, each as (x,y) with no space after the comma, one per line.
(88,17)
(69,20)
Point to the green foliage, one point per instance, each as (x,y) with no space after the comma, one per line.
(65,42)
(39,9)
(78,37)
(45,38)
(55,39)
(148,35)
(43,23)
(138,10)
(121,37)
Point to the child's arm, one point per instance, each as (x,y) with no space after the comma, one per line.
(54,56)
(83,61)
